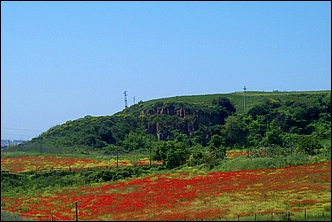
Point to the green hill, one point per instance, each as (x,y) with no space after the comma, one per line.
(197,118)
(237,98)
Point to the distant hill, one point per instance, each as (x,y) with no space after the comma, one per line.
(197,116)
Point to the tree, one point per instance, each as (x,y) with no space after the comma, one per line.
(324,103)
(273,103)
(308,144)
(210,159)
(90,140)
(259,110)
(172,154)
(274,134)
(133,141)
(105,131)
(216,146)
(235,131)
(123,124)
(200,136)
(197,155)
(256,130)
(176,154)
(160,151)
(312,113)
(226,103)
(281,118)
(299,117)
(178,136)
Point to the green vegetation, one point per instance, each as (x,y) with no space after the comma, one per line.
(14,184)
(195,129)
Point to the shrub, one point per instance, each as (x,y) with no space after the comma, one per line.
(308,144)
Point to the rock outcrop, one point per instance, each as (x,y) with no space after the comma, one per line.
(162,120)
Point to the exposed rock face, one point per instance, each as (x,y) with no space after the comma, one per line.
(184,119)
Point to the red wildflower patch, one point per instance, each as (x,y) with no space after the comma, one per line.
(179,196)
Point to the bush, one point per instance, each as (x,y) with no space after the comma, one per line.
(216,146)
(308,144)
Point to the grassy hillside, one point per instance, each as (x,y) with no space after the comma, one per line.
(237,98)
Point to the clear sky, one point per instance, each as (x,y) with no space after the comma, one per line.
(64,60)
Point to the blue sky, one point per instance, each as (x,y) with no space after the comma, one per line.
(64,60)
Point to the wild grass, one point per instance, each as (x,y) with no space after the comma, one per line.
(247,163)
(237,98)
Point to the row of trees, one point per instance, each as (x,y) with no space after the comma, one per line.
(177,152)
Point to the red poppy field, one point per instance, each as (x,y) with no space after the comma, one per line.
(179,196)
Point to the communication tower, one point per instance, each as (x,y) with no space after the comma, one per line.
(244,88)
(125,99)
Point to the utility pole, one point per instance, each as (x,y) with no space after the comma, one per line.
(134,100)
(244,88)
(76,215)
(117,157)
(125,99)
(40,147)
(150,151)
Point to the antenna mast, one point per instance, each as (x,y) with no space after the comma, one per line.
(125,99)
(244,88)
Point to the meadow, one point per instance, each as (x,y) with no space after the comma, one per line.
(296,192)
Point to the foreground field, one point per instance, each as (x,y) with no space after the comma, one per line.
(180,196)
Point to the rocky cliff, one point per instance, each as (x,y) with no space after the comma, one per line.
(162,120)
